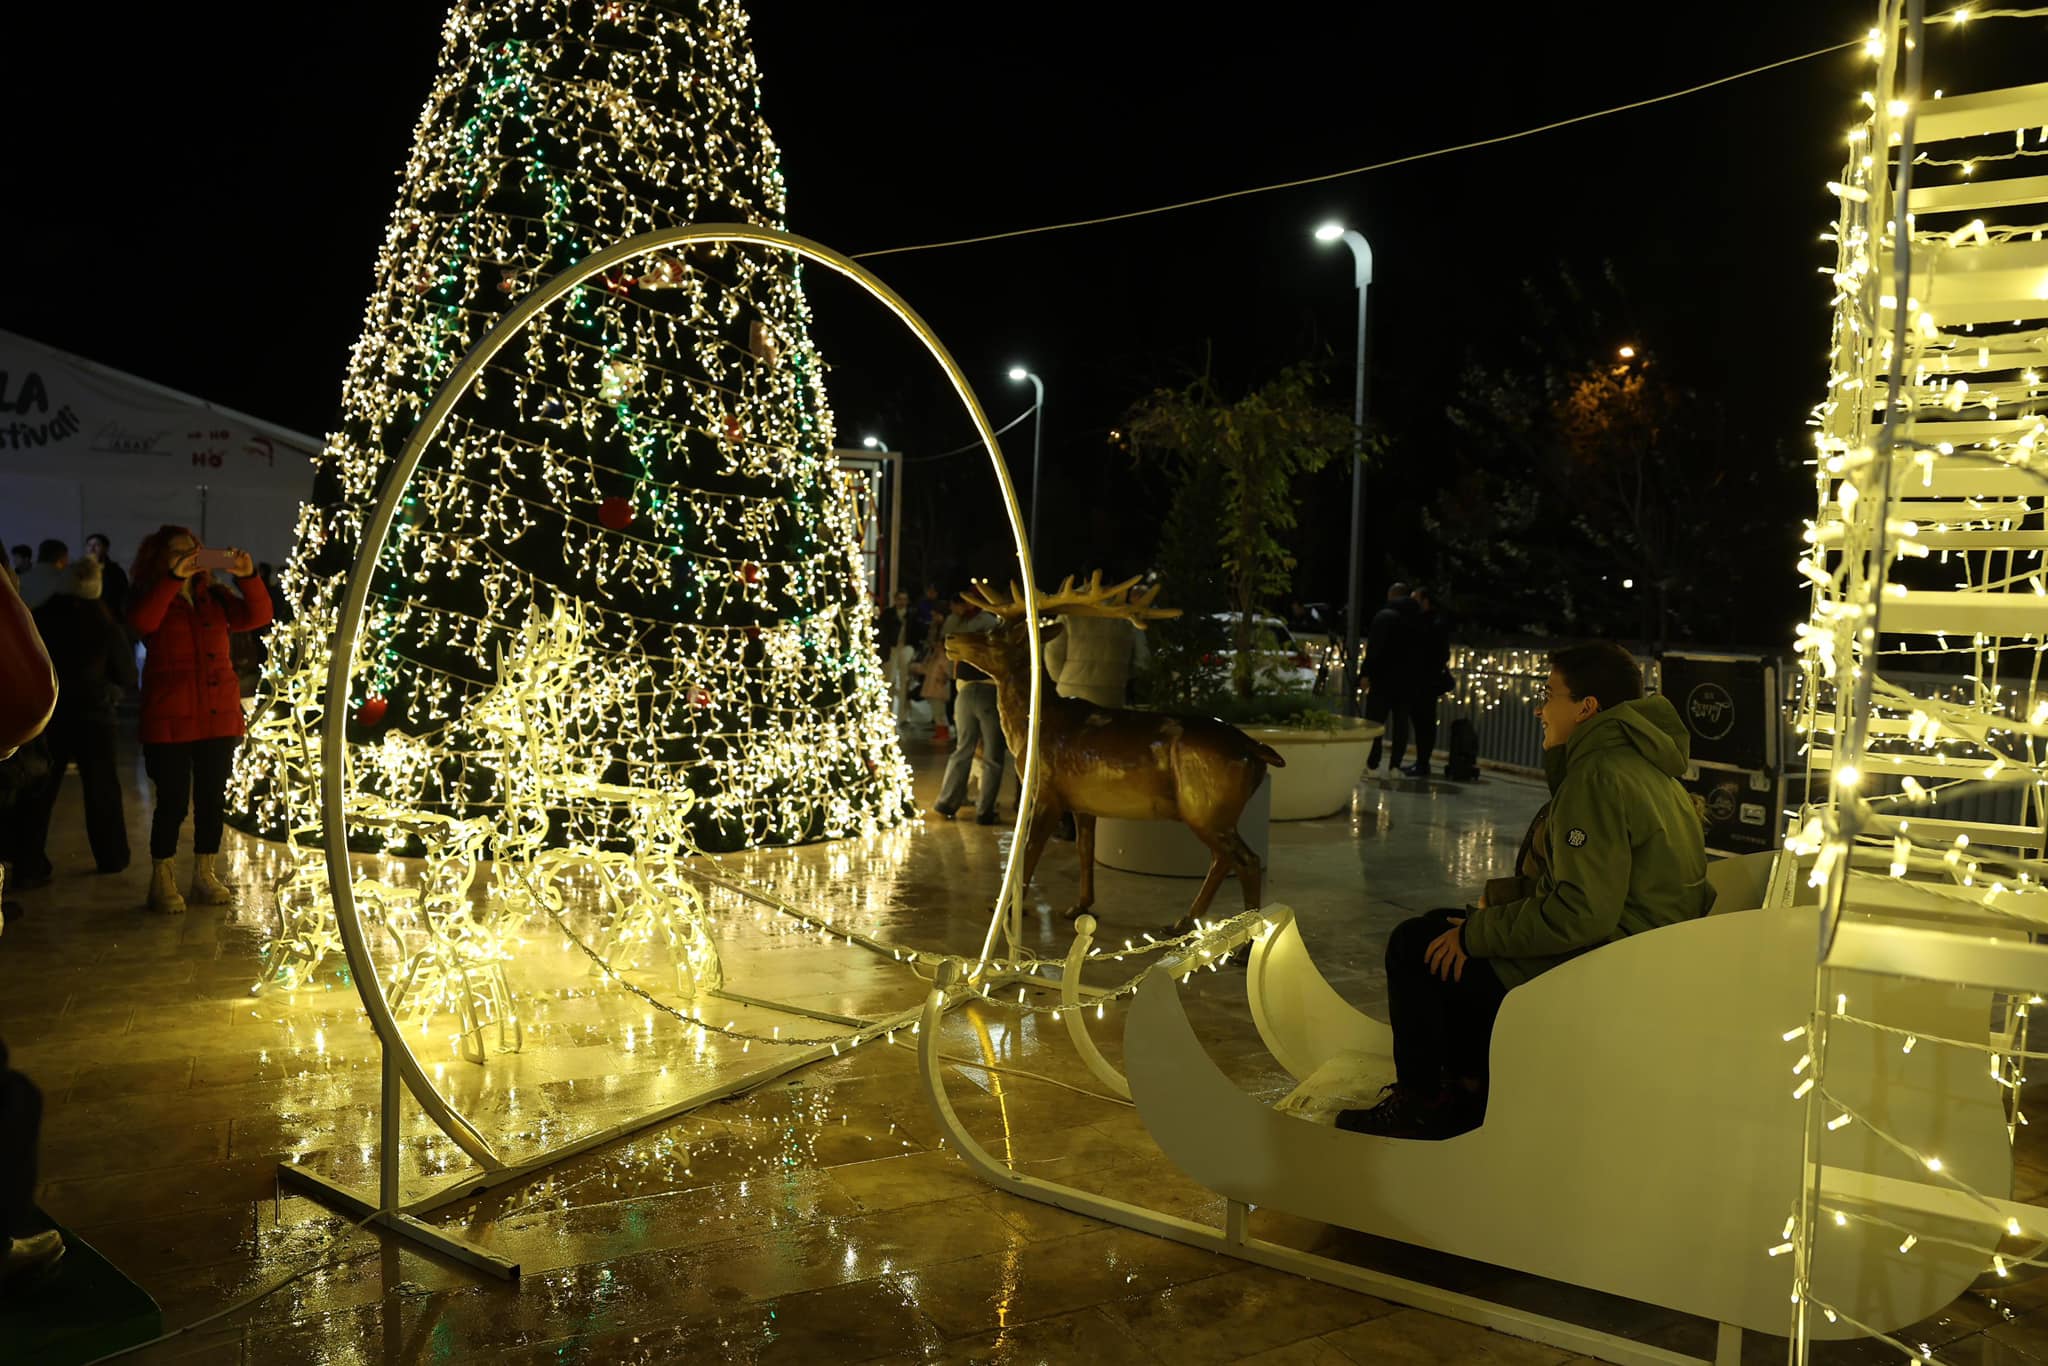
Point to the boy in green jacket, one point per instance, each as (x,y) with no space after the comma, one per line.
(1623,851)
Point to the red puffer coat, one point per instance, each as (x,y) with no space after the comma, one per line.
(188,684)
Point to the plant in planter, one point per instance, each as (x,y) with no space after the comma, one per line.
(1237,463)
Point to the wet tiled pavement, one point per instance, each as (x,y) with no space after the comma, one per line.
(815,1218)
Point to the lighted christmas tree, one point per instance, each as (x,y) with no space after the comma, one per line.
(653,457)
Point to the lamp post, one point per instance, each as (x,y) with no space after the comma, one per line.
(874,443)
(1361,259)
(1018,372)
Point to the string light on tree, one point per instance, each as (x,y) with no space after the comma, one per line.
(635,507)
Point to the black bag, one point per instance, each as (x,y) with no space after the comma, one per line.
(1463,764)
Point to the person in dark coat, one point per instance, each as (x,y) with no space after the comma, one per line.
(1390,654)
(1430,680)
(898,635)
(191,704)
(113,578)
(95,666)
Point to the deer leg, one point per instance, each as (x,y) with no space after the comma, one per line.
(1084,845)
(1219,868)
(1249,872)
(1043,822)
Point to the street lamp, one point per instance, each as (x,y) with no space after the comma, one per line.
(1018,372)
(874,443)
(1361,258)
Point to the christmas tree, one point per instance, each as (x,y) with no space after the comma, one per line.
(647,472)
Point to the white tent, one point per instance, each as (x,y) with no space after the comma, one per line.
(85,449)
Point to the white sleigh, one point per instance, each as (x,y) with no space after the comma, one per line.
(1641,1137)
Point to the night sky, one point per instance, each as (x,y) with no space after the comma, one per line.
(210,197)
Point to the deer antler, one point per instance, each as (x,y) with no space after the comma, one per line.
(1091,600)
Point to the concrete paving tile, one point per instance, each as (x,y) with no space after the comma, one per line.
(1081,1143)
(2027,1335)
(1310,1352)
(203,1348)
(1409,1335)
(36,1028)
(276,1135)
(122,1080)
(273,1063)
(143,1148)
(814,1241)
(1057,1277)
(145,1248)
(918,1178)
(1037,1221)
(1085,1335)
(1981,1350)
(170,1190)
(541,1233)
(1153,1185)
(1237,1313)
(870,1320)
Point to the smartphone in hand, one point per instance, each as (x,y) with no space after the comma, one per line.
(209,558)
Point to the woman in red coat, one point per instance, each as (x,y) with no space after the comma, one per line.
(191,706)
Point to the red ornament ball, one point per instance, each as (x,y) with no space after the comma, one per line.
(372,711)
(700,697)
(751,572)
(615,512)
(732,428)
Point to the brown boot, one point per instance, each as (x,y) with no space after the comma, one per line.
(163,889)
(207,889)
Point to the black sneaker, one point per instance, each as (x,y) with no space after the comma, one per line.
(1405,1112)
(944,813)
(985,818)
(1417,770)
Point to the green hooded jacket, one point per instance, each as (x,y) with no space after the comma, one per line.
(1626,851)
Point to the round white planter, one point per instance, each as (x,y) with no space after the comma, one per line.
(1170,849)
(1322,766)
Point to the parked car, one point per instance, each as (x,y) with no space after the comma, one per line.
(1283,662)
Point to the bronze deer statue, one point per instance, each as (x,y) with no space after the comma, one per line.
(1111,761)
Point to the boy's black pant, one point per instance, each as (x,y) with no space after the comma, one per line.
(194,773)
(1441,1029)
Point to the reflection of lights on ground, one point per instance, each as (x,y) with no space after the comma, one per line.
(995,1084)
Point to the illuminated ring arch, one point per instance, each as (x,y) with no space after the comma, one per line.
(348,629)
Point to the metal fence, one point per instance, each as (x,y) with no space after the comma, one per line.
(1499,687)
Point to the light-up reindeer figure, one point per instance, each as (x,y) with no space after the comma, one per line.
(551,718)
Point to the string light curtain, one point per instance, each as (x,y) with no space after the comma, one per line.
(1925,554)
(652,459)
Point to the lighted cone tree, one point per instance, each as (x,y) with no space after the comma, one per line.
(653,454)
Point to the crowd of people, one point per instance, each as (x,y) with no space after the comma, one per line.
(184,604)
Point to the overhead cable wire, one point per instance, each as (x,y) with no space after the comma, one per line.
(972,445)
(1361,170)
